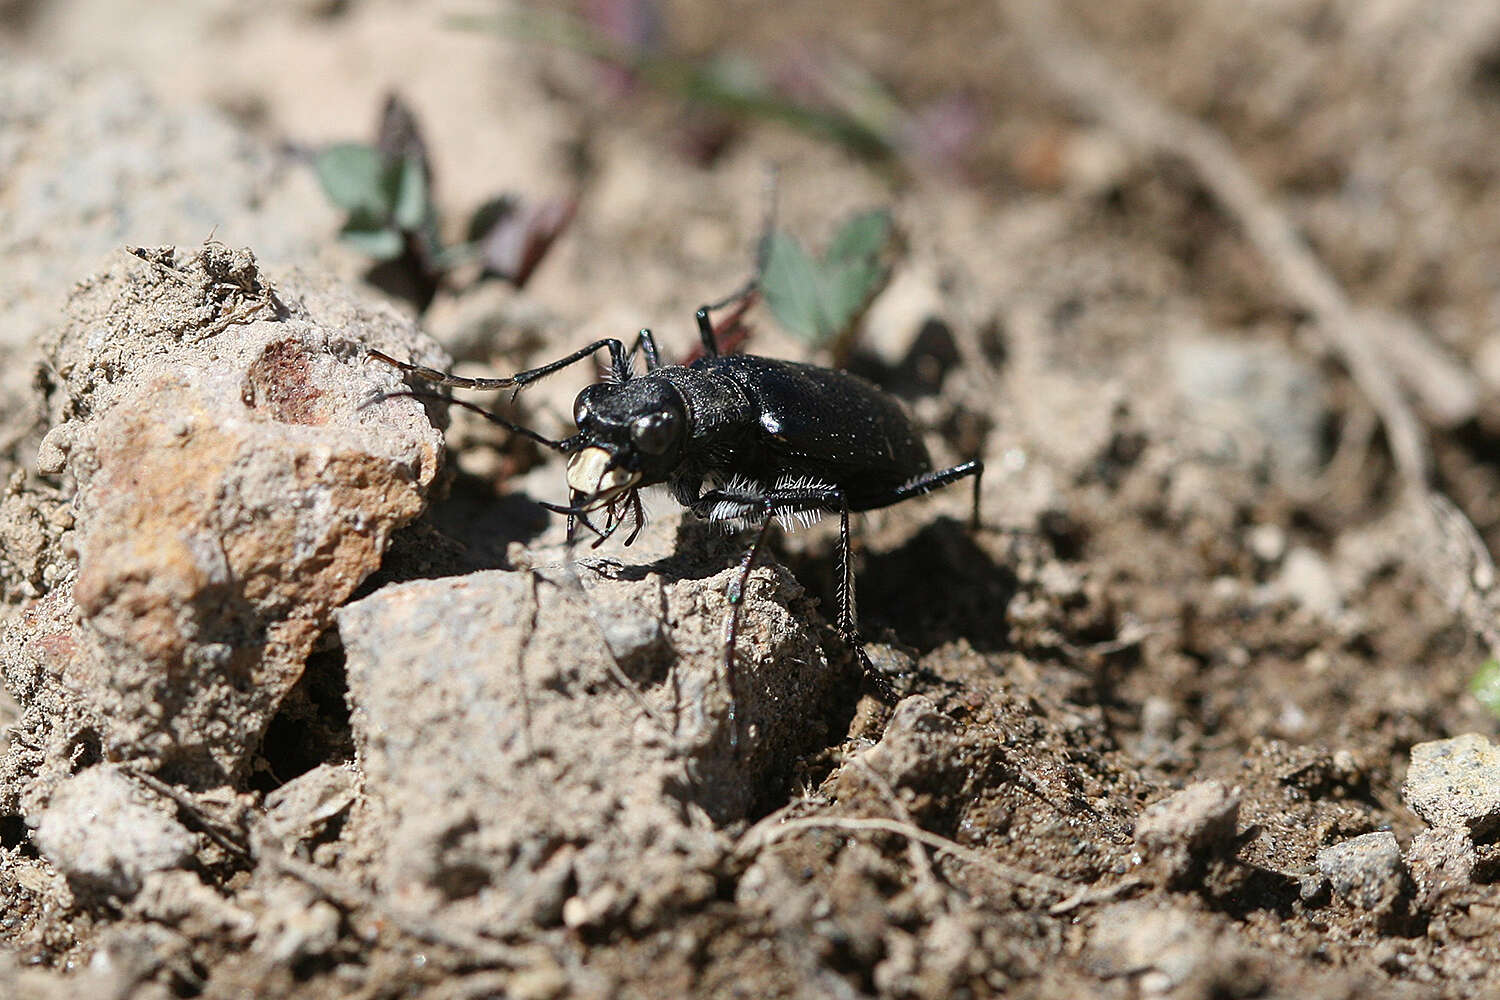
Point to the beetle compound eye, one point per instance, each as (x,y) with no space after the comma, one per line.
(580,410)
(655,432)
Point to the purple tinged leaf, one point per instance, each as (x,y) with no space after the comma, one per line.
(518,235)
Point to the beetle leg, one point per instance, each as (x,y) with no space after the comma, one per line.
(639,513)
(929,481)
(646,344)
(732,628)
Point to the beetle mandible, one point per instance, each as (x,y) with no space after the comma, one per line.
(737,439)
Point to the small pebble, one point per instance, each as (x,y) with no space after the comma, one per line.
(1365,871)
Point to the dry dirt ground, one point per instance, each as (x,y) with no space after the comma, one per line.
(305,698)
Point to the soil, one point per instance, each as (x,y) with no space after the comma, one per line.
(302,702)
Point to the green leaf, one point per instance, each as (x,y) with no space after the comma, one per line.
(847,289)
(355,179)
(1485,686)
(863,237)
(790,283)
(380,244)
(820,300)
(411,207)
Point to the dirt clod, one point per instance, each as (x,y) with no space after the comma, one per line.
(1366,871)
(1182,831)
(106,834)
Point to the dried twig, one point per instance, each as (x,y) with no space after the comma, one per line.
(230,839)
(761,836)
(1088,895)
(925,876)
(420,926)
(1370,344)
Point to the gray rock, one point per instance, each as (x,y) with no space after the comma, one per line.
(106,833)
(1442,860)
(1307,579)
(1365,871)
(1163,947)
(1259,397)
(513,772)
(918,742)
(1181,831)
(302,807)
(1455,783)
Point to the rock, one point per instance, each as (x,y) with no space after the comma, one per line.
(1365,871)
(917,740)
(296,924)
(631,632)
(1267,542)
(1259,397)
(1160,948)
(179,899)
(106,833)
(1442,860)
(1455,783)
(301,808)
(513,771)
(17,983)
(1181,831)
(232,487)
(1307,579)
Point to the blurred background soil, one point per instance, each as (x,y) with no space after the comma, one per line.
(1159,711)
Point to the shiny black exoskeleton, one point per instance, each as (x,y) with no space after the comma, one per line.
(739,440)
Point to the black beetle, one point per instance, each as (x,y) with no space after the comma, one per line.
(739,440)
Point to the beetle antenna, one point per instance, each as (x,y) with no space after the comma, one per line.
(494,418)
(742,295)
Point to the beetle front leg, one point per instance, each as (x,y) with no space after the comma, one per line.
(646,344)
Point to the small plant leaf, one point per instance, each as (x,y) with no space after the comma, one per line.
(487,215)
(377,244)
(863,237)
(820,300)
(354,178)
(847,288)
(1485,686)
(790,283)
(513,235)
(411,206)
(400,136)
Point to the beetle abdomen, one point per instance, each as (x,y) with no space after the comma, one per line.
(828,423)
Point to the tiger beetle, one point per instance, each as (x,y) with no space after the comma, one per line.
(740,441)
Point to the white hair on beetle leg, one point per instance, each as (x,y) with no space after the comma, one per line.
(796,518)
(743,508)
(800,513)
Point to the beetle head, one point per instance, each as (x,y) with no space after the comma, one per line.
(630,434)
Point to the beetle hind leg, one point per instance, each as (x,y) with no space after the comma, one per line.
(936,480)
